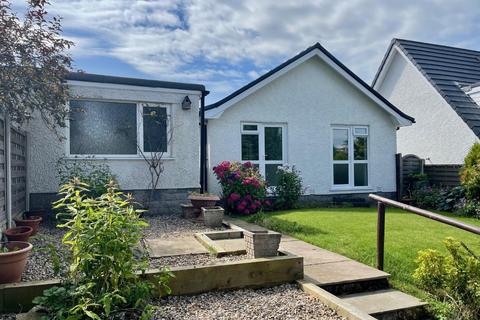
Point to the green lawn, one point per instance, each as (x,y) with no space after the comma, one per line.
(352,232)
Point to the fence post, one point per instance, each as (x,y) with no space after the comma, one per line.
(380,235)
(399,175)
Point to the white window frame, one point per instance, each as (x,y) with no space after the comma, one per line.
(351,161)
(139,115)
(260,132)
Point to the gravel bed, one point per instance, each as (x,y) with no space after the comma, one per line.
(173,226)
(193,259)
(281,302)
(49,239)
(39,264)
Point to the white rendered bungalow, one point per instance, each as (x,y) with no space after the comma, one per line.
(316,114)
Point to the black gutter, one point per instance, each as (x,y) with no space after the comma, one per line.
(100,78)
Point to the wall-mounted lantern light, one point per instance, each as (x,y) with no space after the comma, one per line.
(186,103)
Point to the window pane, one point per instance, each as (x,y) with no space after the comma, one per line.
(340,144)
(360,148)
(249,147)
(98,127)
(340,173)
(361,174)
(250,127)
(360,131)
(271,174)
(154,129)
(273,143)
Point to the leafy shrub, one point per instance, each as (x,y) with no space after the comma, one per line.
(439,198)
(453,280)
(243,187)
(416,181)
(470,173)
(96,175)
(289,187)
(104,281)
(426,197)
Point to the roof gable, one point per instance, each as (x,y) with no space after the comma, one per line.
(215,110)
(448,69)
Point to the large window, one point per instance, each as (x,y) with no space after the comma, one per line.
(264,146)
(117,128)
(350,156)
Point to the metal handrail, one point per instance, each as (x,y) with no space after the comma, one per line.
(382,201)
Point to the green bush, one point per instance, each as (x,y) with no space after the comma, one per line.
(470,173)
(415,181)
(103,236)
(452,280)
(95,174)
(450,199)
(289,187)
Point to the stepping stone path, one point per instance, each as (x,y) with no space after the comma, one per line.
(357,285)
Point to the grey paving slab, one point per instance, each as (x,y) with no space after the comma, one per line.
(341,272)
(311,254)
(174,247)
(382,301)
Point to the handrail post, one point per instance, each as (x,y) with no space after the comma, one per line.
(380,234)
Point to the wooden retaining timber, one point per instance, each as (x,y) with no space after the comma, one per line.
(249,273)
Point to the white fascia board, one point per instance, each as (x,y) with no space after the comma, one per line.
(217,112)
(89,84)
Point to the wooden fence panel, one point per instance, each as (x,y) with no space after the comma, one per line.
(443,174)
(19,171)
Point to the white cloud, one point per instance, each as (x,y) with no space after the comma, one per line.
(212,41)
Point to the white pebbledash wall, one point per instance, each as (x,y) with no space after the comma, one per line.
(439,134)
(181,168)
(309,99)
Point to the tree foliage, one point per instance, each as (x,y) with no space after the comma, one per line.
(33,65)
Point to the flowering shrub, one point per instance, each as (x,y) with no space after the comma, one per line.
(289,187)
(243,187)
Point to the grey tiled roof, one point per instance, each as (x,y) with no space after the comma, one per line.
(448,69)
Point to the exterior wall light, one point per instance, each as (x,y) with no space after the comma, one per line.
(186,103)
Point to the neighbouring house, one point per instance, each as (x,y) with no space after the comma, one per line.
(440,87)
(314,113)
(108,124)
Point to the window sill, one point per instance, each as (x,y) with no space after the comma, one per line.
(93,158)
(352,189)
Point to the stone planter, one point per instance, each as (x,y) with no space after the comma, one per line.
(262,244)
(203,200)
(12,263)
(18,233)
(212,216)
(30,221)
(189,211)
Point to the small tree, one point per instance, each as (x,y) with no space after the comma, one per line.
(33,65)
(155,156)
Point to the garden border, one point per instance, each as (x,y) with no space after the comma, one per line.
(189,280)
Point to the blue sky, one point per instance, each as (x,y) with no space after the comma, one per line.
(226,44)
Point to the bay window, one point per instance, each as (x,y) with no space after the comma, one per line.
(350,156)
(117,129)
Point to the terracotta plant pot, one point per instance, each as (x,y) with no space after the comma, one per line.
(31,221)
(18,233)
(12,263)
(37,212)
(198,201)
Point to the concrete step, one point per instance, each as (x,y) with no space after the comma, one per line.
(387,304)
